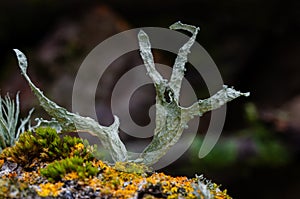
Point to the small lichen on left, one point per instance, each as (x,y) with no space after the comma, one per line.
(10,126)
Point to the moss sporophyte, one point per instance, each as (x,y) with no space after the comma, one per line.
(55,166)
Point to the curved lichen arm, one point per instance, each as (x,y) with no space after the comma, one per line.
(172,119)
(215,101)
(181,59)
(69,121)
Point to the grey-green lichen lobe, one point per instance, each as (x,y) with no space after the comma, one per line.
(171,118)
(71,121)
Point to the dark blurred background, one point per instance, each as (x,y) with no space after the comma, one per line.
(254,43)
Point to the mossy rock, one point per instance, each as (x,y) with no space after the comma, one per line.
(47,166)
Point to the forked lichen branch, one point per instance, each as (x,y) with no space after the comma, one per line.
(171,118)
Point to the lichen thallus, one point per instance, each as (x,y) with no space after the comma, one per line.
(171,118)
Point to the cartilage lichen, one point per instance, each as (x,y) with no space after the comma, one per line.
(71,121)
(171,118)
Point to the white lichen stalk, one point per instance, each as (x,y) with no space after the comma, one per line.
(171,118)
(71,122)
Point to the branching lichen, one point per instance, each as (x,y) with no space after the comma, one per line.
(171,118)
(10,126)
(71,121)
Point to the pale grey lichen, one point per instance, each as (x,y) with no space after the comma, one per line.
(53,123)
(10,125)
(203,188)
(71,122)
(171,118)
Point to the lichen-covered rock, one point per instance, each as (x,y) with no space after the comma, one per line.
(77,174)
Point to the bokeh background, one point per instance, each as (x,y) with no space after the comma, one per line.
(254,43)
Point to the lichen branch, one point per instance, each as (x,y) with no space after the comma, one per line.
(70,122)
(172,119)
(223,96)
(145,51)
(179,66)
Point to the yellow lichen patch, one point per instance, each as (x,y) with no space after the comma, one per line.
(112,183)
(222,195)
(79,146)
(1,162)
(30,177)
(69,160)
(50,189)
(101,164)
(172,187)
(71,176)
(126,185)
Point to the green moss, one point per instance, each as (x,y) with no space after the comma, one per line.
(58,169)
(46,145)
